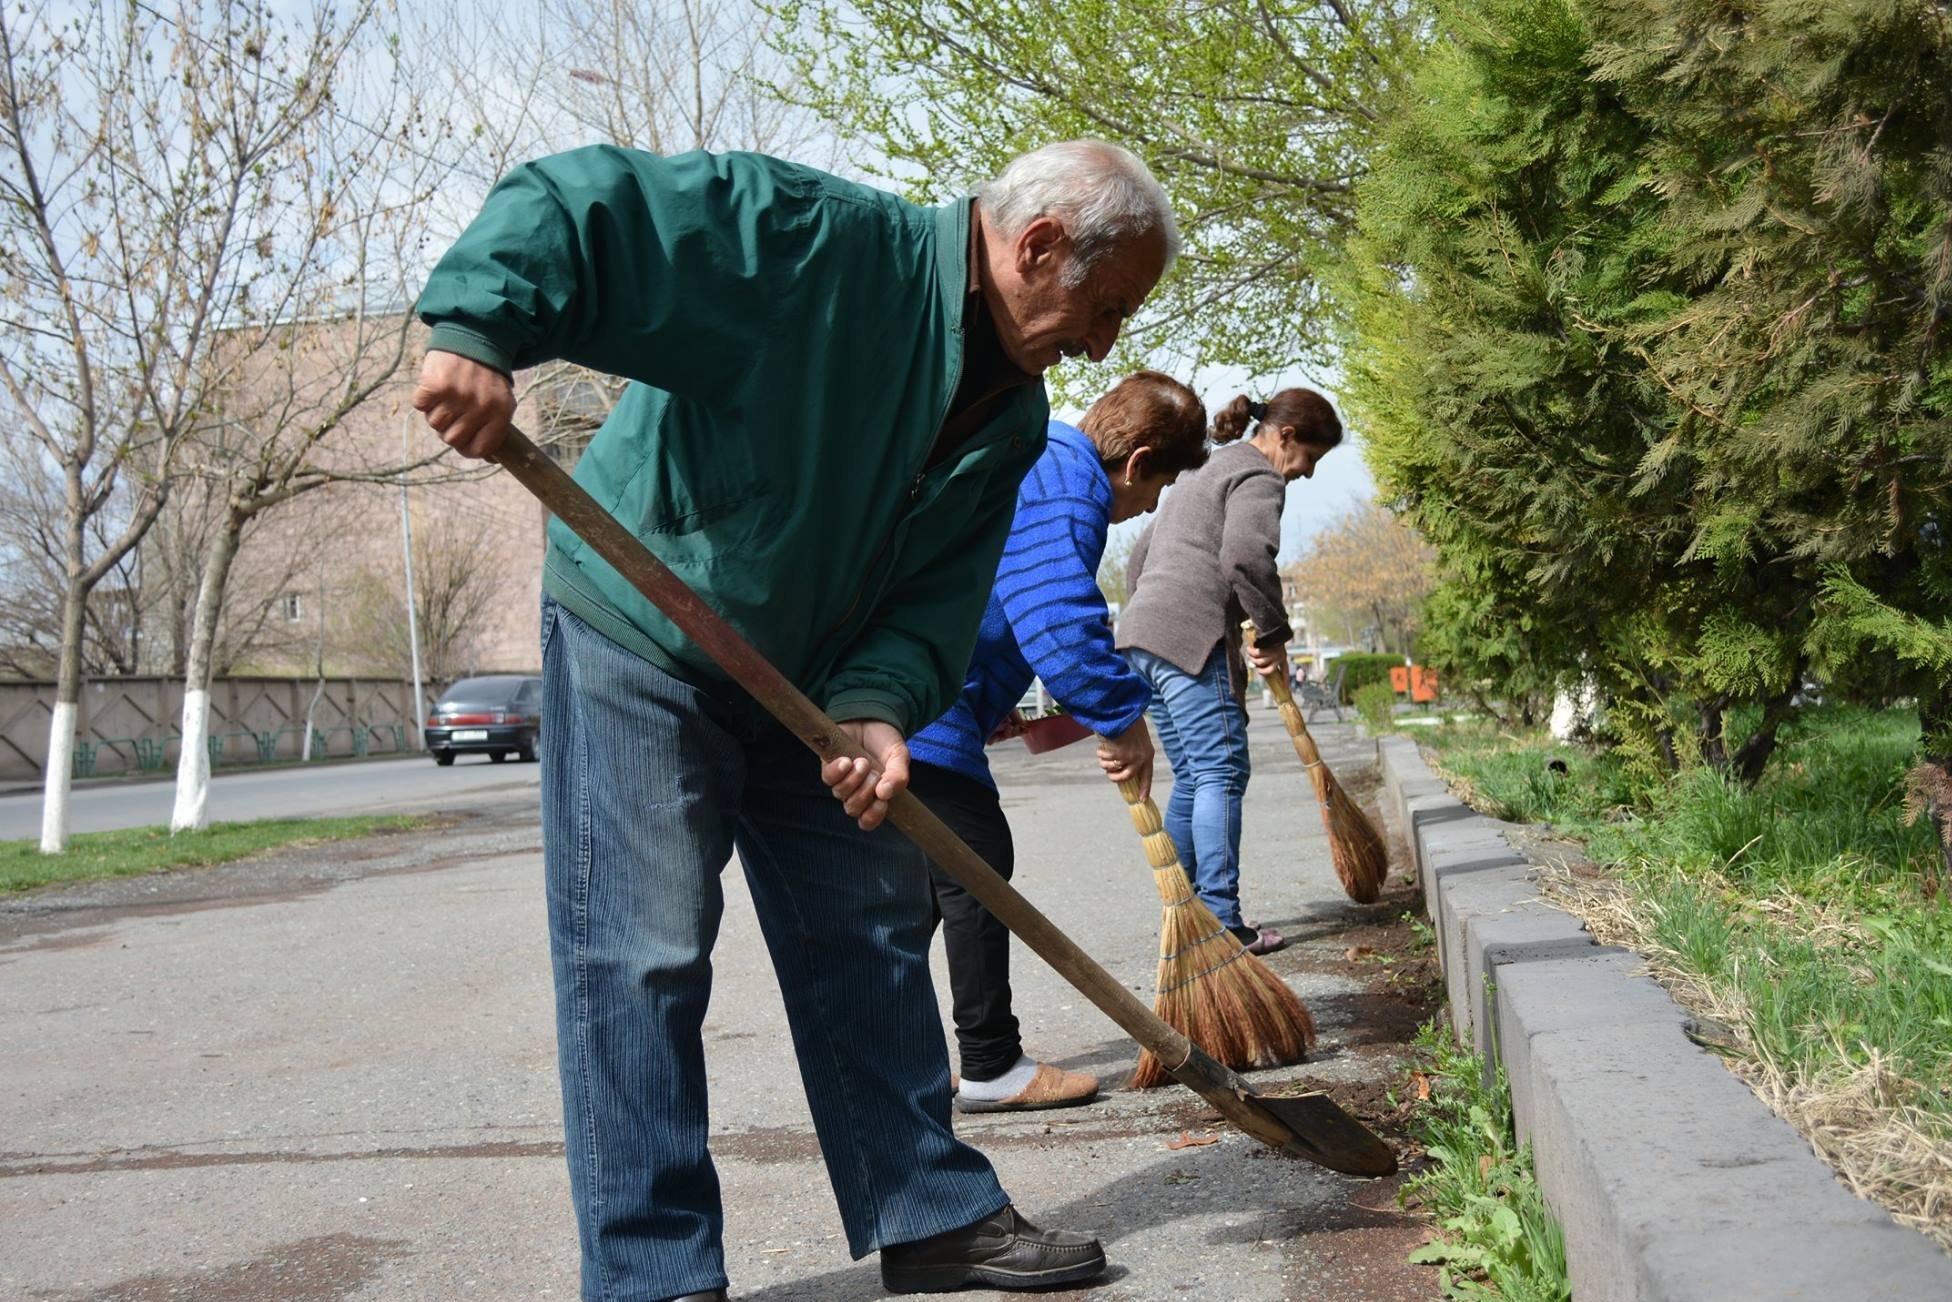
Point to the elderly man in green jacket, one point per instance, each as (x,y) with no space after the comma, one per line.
(836,393)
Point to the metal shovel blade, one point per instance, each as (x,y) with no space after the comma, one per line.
(1319,1130)
(1309,1125)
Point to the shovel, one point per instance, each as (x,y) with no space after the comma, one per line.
(1307,1125)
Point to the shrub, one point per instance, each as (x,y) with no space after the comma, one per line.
(1376,703)
(1361,669)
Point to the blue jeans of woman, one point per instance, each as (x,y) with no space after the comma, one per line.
(645,796)
(1203,728)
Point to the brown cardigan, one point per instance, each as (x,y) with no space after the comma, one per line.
(1207,562)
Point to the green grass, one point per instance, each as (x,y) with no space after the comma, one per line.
(152,849)
(1497,1238)
(1800,902)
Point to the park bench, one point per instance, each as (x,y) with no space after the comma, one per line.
(1316,696)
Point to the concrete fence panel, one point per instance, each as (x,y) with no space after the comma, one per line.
(131,724)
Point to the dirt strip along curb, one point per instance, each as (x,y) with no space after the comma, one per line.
(1672,1180)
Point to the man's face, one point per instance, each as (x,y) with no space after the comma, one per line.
(1042,321)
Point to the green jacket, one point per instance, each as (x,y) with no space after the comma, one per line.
(795,341)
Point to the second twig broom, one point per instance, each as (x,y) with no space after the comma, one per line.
(1211,989)
(1354,846)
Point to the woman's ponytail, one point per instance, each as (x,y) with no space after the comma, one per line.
(1309,413)
(1231,421)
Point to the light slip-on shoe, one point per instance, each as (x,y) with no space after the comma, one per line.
(1051,1087)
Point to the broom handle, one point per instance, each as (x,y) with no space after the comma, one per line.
(1159,849)
(1284,696)
(565,498)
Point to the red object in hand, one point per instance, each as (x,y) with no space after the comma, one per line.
(1052,731)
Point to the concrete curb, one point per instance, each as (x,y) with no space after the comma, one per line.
(1673,1182)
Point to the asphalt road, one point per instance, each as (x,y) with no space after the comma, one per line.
(289,791)
(330,1073)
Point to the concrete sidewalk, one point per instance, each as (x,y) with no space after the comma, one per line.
(334,1078)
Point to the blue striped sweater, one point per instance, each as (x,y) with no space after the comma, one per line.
(1046,617)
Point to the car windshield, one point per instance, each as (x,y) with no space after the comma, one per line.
(498,690)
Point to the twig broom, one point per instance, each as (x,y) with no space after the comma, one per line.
(1211,989)
(1354,846)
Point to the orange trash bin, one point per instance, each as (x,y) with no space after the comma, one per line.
(1399,679)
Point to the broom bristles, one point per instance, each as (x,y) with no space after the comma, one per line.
(1219,995)
(1355,848)
(1211,989)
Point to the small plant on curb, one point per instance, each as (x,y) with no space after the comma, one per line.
(1376,703)
(1496,1237)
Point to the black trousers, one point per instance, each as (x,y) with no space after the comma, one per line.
(978,945)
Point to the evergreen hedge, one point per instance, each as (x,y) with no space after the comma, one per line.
(1361,668)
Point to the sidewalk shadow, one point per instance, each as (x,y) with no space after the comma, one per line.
(862,1283)
(1269,1199)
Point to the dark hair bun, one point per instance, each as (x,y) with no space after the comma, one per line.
(1231,421)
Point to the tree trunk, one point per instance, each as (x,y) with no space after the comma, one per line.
(312,710)
(1931,788)
(1929,785)
(1711,737)
(1752,756)
(192,812)
(61,727)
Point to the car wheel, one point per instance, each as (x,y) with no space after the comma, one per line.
(497,756)
(444,758)
(527,753)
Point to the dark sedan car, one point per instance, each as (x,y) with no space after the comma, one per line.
(500,715)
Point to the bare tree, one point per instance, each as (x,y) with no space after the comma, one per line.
(1369,564)
(659,75)
(136,150)
(457,583)
(33,569)
(182,185)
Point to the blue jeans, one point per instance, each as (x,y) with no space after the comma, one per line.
(645,796)
(1203,727)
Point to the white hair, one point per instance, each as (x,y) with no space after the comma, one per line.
(1103,194)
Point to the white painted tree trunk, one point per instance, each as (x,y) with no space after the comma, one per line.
(60,768)
(192,811)
(67,699)
(1575,713)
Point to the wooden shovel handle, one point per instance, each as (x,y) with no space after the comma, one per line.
(1219,1085)
(785,702)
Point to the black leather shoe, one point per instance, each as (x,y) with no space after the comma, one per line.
(715,1295)
(1001,1251)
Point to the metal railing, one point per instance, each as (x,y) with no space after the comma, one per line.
(263,746)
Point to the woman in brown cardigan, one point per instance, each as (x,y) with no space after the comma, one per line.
(1205,564)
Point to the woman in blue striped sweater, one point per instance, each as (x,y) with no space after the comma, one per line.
(1046,619)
